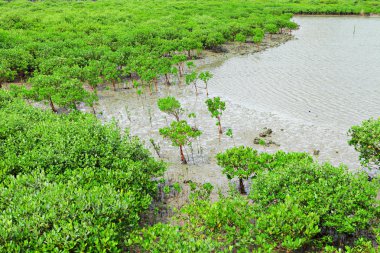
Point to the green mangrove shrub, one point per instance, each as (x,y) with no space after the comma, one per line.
(340,205)
(295,205)
(171,106)
(205,77)
(69,182)
(192,78)
(216,107)
(6,73)
(365,138)
(258,35)
(40,214)
(180,133)
(238,162)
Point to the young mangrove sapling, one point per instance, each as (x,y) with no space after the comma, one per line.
(171,106)
(216,107)
(181,134)
(192,78)
(230,134)
(205,77)
(238,162)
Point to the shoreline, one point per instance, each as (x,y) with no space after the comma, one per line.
(338,15)
(232,49)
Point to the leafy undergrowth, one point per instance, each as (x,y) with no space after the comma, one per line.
(295,204)
(69,183)
(365,138)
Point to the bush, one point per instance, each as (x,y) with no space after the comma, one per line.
(287,225)
(366,140)
(295,204)
(240,37)
(38,214)
(344,203)
(240,162)
(33,139)
(68,182)
(171,106)
(206,227)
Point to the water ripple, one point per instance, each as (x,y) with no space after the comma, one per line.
(328,75)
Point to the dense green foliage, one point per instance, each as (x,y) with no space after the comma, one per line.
(85,44)
(366,140)
(67,182)
(295,203)
(344,203)
(245,162)
(106,41)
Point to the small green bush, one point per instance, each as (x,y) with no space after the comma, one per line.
(171,106)
(344,203)
(240,37)
(366,140)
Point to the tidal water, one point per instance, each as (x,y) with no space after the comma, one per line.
(328,75)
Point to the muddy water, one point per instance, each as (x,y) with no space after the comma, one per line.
(326,70)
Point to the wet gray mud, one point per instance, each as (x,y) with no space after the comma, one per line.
(245,114)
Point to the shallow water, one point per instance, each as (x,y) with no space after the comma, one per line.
(326,70)
(329,74)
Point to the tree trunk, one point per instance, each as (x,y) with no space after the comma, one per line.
(155,84)
(179,70)
(167,79)
(114,86)
(189,54)
(241,186)
(149,88)
(1,85)
(52,105)
(206,89)
(196,88)
(183,159)
(220,126)
(93,109)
